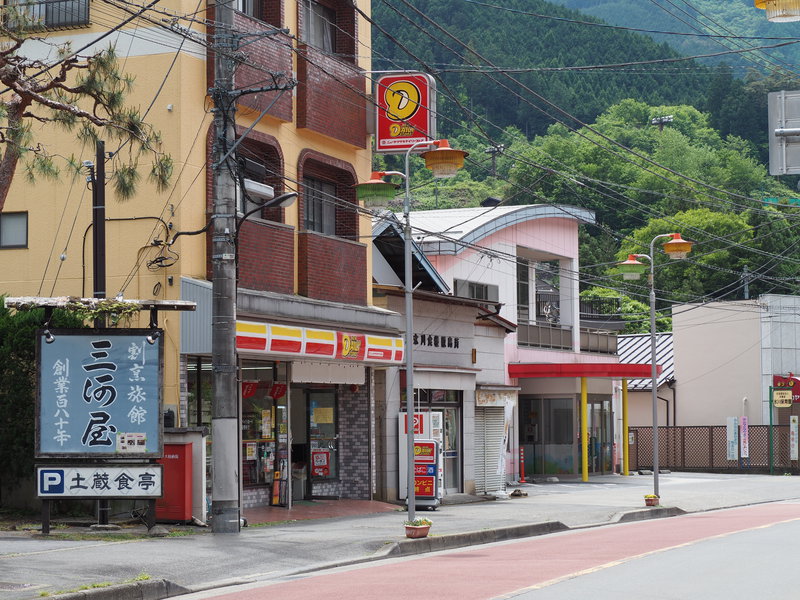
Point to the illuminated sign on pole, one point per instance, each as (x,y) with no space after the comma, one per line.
(406,111)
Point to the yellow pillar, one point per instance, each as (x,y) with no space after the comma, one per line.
(584,431)
(625,447)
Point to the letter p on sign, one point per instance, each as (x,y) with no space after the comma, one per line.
(51,481)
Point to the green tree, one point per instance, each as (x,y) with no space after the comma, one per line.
(18,388)
(634,313)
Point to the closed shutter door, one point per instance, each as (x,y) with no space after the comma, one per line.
(489,425)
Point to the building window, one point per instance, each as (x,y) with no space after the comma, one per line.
(320,25)
(252,8)
(320,206)
(49,14)
(523,291)
(14,230)
(476,290)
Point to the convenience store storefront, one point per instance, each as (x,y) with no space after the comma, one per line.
(307,411)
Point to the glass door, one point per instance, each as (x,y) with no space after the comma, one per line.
(322,436)
(452,450)
(600,436)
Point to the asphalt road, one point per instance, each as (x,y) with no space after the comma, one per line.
(30,566)
(728,554)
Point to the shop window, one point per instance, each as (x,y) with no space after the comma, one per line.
(320,206)
(264,429)
(14,230)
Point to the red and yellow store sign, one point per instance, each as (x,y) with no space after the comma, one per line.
(308,342)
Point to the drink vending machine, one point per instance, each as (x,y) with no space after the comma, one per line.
(428,459)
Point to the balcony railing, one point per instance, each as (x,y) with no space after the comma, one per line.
(595,313)
(50,14)
(558,337)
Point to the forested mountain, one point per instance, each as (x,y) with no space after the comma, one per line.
(554,108)
(435,35)
(715,17)
(565,69)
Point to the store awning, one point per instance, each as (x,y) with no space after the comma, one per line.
(611,370)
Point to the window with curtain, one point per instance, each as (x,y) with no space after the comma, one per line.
(320,25)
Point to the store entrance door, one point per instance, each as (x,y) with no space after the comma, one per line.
(452,450)
(600,436)
(315,443)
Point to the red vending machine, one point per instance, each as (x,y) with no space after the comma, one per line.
(176,503)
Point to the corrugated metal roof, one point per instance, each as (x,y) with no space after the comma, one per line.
(636,349)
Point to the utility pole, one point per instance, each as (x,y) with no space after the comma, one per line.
(225,507)
(494,151)
(97,172)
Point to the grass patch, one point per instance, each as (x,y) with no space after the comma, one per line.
(92,586)
(187,532)
(95,537)
(272,523)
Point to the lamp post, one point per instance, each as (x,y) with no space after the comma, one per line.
(444,162)
(632,269)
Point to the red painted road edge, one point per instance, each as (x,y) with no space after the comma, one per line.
(496,570)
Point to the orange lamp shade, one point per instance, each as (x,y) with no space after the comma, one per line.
(677,247)
(444,161)
(780,11)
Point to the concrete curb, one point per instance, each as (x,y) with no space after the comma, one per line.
(436,543)
(151,589)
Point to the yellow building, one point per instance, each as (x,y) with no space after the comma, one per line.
(304,270)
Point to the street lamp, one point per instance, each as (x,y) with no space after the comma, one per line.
(632,268)
(444,162)
(780,11)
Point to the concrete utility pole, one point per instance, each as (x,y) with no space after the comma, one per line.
(225,425)
(225,464)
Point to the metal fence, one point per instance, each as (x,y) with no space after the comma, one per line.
(705,448)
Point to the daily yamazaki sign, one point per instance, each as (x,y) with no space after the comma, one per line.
(308,342)
(406,110)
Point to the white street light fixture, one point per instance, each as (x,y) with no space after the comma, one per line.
(632,268)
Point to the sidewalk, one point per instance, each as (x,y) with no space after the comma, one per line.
(29,566)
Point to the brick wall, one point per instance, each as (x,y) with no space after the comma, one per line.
(272,53)
(332,269)
(354,442)
(330,97)
(266,257)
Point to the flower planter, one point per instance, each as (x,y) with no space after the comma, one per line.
(651,501)
(417,531)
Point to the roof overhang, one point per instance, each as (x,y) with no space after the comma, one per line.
(609,370)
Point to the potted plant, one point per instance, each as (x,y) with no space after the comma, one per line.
(651,500)
(418,528)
